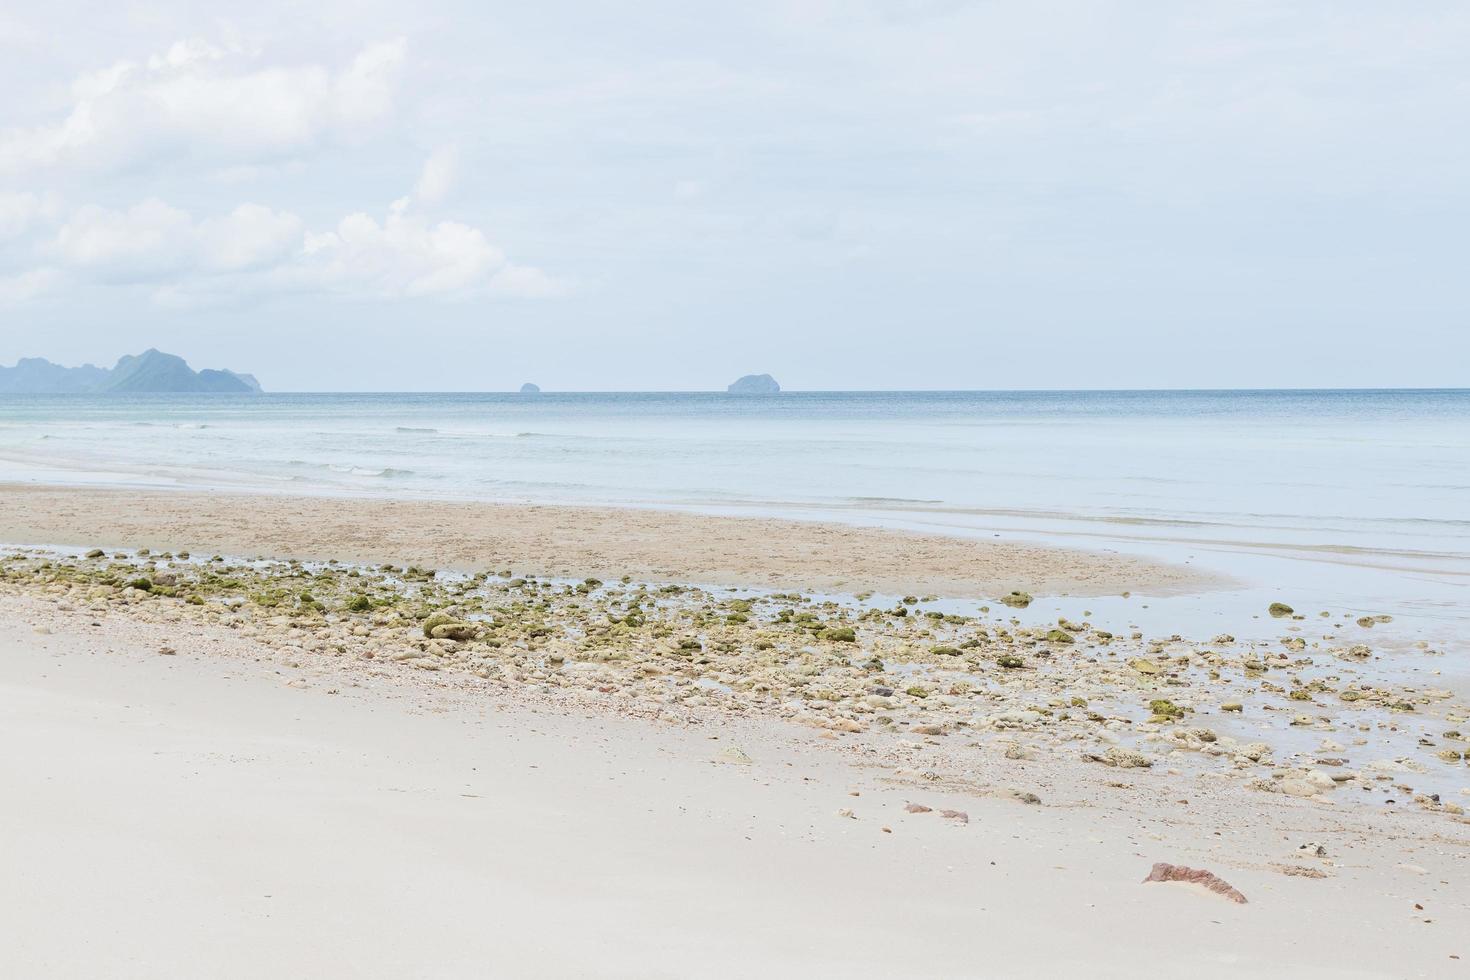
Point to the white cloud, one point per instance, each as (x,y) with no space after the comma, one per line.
(255,250)
(405,255)
(26,286)
(438,176)
(200,100)
(20,213)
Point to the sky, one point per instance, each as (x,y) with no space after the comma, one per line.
(891,194)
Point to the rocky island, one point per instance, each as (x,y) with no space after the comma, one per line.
(754,384)
(152,371)
(530,389)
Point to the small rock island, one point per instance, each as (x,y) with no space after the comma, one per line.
(530,389)
(754,384)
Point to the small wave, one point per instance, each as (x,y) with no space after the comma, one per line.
(410,428)
(190,425)
(386,471)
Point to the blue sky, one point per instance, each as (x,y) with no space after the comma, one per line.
(891,194)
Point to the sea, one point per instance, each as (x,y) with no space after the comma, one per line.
(1357,501)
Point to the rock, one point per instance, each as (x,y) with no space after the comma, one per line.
(458,632)
(1178,872)
(167,651)
(959,816)
(754,384)
(1143,665)
(1016,600)
(530,389)
(1120,758)
(1279,609)
(733,756)
(1235,706)
(845,812)
(95,553)
(1059,636)
(917,808)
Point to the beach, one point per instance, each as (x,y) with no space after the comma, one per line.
(445,686)
(228,810)
(246,760)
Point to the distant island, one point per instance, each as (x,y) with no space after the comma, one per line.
(149,372)
(530,389)
(754,384)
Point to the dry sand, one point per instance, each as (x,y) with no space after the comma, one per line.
(226,812)
(574,542)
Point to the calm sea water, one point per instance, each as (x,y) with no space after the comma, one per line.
(1301,486)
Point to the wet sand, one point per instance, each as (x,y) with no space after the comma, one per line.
(576,542)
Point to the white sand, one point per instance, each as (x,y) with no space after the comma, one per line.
(197,816)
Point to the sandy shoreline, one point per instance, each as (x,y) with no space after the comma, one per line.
(242,769)
(230,811)
(575,542)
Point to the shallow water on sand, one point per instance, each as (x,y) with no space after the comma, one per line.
(1345,500)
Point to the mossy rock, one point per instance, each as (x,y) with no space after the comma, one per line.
(1164,708)
(143,584)
(96,553)
(1279,609)
(1059,636)
(840,634)
(437,619)
(1016,599)
(457,631)
(945,651)
(1010,661)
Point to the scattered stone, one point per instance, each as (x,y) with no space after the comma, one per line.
(733,756)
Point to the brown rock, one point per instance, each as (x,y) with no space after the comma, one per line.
(1178,872)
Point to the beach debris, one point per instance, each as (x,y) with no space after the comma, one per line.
(959,816)
(917,808)
(1163,871)
(1299,870)
(734,756)
(167,651)
(845,812)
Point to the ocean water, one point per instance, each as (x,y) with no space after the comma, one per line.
(1348,496)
